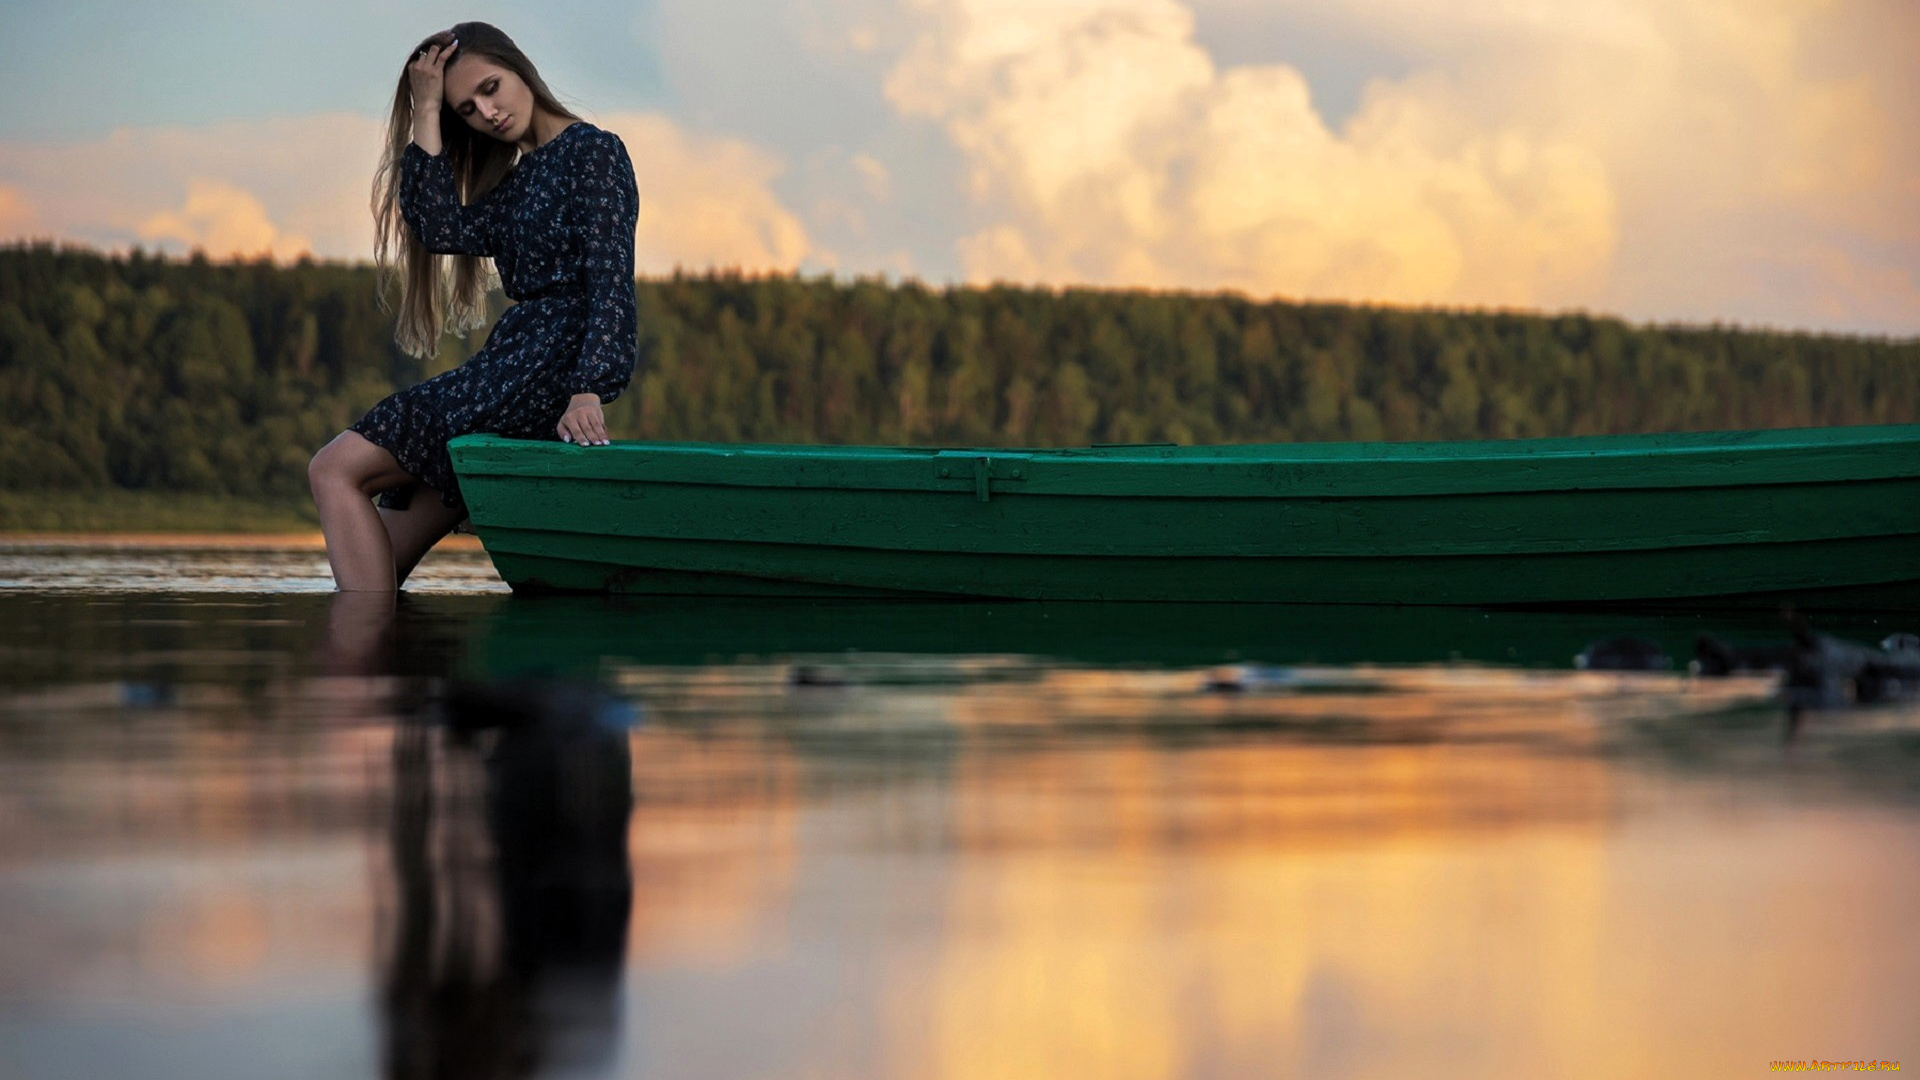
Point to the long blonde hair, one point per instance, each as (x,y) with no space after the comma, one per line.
(437,298)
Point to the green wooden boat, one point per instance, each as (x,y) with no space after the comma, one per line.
(1821,517)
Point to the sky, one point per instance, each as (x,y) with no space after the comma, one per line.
(1754,162)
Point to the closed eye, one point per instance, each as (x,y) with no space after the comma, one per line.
(490,87)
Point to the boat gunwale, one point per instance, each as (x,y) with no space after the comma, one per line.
(1375,452)
(1748,459)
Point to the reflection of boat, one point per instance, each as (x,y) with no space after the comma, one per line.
(1819,516)
(577,635)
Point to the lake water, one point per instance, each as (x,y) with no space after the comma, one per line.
(252,829)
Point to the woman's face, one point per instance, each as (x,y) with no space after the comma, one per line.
(490,98)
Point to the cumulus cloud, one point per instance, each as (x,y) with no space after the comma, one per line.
(1121,154)
(223,221)
(302,184)
(1664,159)
(875,178)
(1753,160)
(17,217)
(284,186)
(706,200)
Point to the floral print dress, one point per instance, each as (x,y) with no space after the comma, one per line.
(559,228)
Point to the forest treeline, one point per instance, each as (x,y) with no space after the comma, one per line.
(144,372)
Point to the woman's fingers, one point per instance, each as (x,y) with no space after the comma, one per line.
(585,434)
(431,61)
(427,73)
(585,427)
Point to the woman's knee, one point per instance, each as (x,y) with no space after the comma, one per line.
(324,468)
(350,461)
(330,465)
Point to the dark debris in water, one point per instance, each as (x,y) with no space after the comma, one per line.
(1819,671)
(1624,654)
(1851,715)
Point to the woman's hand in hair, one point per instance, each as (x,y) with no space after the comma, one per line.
(428,75)
(584,423)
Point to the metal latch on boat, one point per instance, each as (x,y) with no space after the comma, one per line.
(987,471)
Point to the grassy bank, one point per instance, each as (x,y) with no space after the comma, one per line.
(148,512)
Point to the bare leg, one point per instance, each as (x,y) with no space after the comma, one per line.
(344,476)
(413,531)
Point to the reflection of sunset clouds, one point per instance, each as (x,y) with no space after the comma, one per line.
(1433,871)
(997,865)
(1155,909)
(713,845)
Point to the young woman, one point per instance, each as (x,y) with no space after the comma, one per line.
(482,163)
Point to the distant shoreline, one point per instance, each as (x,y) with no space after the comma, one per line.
(254,541)
(161,519)
(95,513)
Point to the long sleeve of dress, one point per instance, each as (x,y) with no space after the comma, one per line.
(606,209)
(430,203)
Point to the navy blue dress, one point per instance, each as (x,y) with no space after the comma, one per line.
(559,228)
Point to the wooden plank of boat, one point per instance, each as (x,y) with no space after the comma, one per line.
(1819,516)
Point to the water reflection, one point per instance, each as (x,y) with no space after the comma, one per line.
(512,884)
(265,834)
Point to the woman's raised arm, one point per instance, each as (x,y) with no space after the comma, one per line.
(429,197)
(430,203)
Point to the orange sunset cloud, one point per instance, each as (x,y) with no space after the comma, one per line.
(247,187)
(223,221)
(1752,161)
(1525,166)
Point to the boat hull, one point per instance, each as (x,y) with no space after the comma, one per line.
(1819,517)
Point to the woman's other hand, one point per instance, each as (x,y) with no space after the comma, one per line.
(584,423)
(427,75)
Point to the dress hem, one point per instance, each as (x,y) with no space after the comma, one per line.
(400,497)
